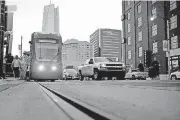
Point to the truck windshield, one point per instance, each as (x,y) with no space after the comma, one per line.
(102,60)
(46,51)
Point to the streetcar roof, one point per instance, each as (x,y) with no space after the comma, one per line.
(45,32)
(44,35)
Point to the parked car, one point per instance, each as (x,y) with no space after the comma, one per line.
(136,74)
(70,73)
(99,67)
(175,75)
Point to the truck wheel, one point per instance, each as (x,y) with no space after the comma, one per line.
(96,75)
(109,77)
(120,78)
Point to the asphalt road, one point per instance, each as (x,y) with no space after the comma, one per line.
(126,100)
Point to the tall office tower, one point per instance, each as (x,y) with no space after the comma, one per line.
(50,19)
(107,43)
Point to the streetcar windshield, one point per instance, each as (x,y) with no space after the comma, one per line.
(46,51)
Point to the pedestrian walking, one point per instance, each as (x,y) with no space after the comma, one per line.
(21,69)
(24,65)
(16,66)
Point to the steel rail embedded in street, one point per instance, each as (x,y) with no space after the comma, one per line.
(92,112)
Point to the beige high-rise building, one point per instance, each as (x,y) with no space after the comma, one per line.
(76,52)
(107,43)
(50,19)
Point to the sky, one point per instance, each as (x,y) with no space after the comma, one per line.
(78,18)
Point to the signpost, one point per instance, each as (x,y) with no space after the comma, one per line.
(165,45)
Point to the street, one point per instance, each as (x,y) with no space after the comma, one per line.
(126,100)
(75,60)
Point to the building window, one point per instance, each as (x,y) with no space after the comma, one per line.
(172,5)
(174,42)
(129,15)
(154,30)
(129,40)
(139,21)
(139,8)
(140,36)
(173,21)
(153,1)
(129,27)
(153,12)
(155,48)
(140,51)
(129,54)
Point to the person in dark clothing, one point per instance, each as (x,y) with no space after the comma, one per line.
(16,66)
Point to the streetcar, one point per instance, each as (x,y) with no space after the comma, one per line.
(46,56)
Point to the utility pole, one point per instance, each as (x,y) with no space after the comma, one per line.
(169,56)
(2,25)
(21,45)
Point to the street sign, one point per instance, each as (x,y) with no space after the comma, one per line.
(165,45)
(19,47)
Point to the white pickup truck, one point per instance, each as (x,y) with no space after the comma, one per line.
(99,67)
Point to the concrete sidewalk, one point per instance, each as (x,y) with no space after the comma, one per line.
(28,102)
(160,77)
(8,79)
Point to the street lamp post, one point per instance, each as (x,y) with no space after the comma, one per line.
(168,50)
(168,42)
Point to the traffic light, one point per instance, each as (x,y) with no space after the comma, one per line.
(147,58)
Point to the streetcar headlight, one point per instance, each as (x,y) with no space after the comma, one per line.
(54,67)
(41,67)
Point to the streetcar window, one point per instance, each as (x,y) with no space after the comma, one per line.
(47,41)
(46,51)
